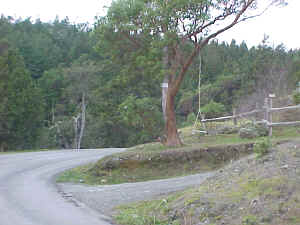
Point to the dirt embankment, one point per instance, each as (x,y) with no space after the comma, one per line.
(143,165)
(211,155)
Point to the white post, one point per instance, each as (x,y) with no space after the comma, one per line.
(266,110)
(271,96)
(165,83)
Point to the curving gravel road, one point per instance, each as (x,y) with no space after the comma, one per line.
(29,195)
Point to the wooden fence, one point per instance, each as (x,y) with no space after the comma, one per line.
(267,110)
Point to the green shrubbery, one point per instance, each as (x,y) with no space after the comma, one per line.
(296,97)
(213,109)
(141,117)
(253,131)
(262,147)
(190,120)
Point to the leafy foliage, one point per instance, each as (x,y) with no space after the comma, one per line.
(143,116)
(42,66)
(21,105)
(296,97)
(213,109)
(262,147)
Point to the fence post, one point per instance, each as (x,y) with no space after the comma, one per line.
(271,96)
(234,117)
(270,118)
(266,115)
(203,124)
(256,115)
(266,110)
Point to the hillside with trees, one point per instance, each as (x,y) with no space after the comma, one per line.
(65,85)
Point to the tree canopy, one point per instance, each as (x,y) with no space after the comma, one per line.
(141,29)
(47,68)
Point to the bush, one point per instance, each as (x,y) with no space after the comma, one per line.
(262,147)
(296,97)
(190,120)
(213,109)
(252,131)
(249,133)
(229,130)
(262,130)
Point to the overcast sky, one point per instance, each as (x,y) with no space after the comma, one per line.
(281,24)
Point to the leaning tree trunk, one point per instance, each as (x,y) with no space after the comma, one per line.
(82,124)
(172,138)
(76,119)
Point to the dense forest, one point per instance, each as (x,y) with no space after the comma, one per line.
(63,86)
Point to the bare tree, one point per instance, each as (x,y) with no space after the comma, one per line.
(80,76)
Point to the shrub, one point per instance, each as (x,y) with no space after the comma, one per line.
(191,118)
(262,130)
(249,133)
(262,147)
(251,130)
(213,109)
(296,97)
(229,130)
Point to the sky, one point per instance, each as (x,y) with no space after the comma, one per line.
(281,24)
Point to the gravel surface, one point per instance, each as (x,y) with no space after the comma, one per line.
(104,198)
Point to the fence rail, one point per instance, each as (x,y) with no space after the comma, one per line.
(267,109)
(232,117)
(218,119)
(283,124)
(284,108)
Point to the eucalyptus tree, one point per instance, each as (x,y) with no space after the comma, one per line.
(139,28)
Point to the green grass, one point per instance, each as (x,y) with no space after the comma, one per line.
(149,168)
(76,174)
(143,213)
(138,173)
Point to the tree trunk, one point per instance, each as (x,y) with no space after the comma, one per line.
(82,124)
(53,112)
(64,142)
(172,136)
(76,118)
(168,107)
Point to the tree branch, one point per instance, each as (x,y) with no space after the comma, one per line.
(132,40)
(174,89)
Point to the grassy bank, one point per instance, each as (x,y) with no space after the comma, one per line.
(250,191)
(143,166)
(155,161)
